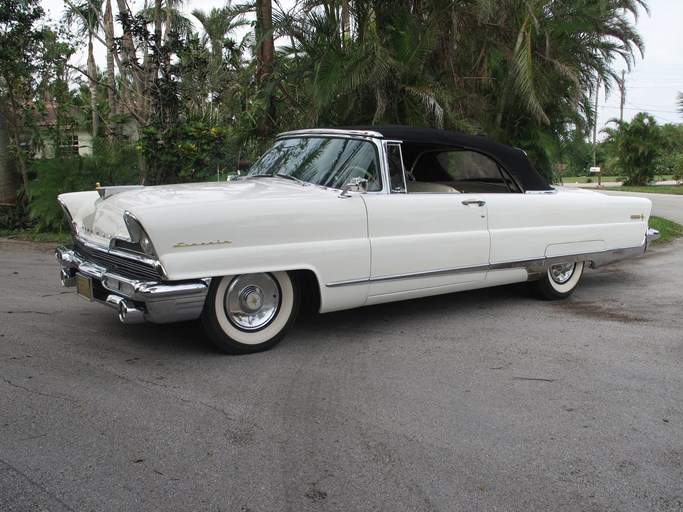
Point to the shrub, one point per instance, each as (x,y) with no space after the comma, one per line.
(54,176)
(188,153)
(676,165)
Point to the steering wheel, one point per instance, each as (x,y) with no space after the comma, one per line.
(356,171)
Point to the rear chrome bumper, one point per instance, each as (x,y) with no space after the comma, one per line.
(135,300)
(652,235)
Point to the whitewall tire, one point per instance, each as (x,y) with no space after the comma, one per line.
(560,280)
(250,312)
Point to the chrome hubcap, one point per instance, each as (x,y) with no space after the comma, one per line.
(562,272)
(252,301)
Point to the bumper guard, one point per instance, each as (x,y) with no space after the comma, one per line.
(136,300)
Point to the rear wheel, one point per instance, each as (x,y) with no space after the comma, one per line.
(250,312)
(559,281)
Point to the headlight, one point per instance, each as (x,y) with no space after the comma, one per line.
(139,240)
(146,244)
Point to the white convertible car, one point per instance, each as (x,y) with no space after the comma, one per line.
(343,218)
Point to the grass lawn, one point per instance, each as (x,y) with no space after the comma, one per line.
(654,189)
(589,179)
(667,228)
(650,189)
(607,179)
(31,236)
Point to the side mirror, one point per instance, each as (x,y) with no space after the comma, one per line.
(356,184)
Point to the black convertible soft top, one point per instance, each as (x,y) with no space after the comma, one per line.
(514,160)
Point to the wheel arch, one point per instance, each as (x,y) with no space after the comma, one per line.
(309,287)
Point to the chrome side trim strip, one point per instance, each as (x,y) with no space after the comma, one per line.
(534,267)
(412,275)
(349,282)
(431,273)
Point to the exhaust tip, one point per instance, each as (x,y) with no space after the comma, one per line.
(128,313)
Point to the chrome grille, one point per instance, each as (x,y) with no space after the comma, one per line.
(126,267)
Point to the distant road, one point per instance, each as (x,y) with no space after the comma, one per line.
(668,206)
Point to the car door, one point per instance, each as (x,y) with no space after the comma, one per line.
(424,243)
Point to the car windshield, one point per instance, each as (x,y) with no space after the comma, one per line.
(325,161)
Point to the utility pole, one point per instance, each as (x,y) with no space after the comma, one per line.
(622,90)
(595,130)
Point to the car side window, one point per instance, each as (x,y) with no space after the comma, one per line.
(396,170)
(470,171)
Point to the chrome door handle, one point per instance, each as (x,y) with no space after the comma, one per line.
(478,202)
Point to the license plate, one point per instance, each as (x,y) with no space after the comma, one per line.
(84,286)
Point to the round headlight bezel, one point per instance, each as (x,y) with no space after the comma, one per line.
(139,239)
(146,245)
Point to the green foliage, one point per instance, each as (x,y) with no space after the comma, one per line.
(32,67)
(676,190)
(577,153)
(521,72)
(30,235)
(634,147)
(187,153)
(672,151)
(13,218)
(668,229)
(55,176)
(676,166)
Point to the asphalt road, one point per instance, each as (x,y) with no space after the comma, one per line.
(663,205)
(477,401)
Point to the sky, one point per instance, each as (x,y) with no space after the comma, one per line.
(652,85)
(656,79)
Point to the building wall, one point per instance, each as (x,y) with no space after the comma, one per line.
(80,141)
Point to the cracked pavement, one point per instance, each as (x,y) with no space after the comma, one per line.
(487,400)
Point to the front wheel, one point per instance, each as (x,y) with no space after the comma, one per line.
(559,281)
(250,312)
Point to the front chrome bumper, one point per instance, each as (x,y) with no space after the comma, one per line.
(135,300)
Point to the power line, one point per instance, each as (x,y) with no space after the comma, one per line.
(639,109)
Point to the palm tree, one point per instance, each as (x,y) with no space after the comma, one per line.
(634,146)
(218,24)
(380,74)
(226,69)
(88,15)
(95,16)
(535,62)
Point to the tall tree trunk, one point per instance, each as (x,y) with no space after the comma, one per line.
(92,77)
(135,77)
(346,20)
(9,179)
(265,66)
(14,132)
(111,76)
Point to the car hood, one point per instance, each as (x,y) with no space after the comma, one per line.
(184,219)
(172,197)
